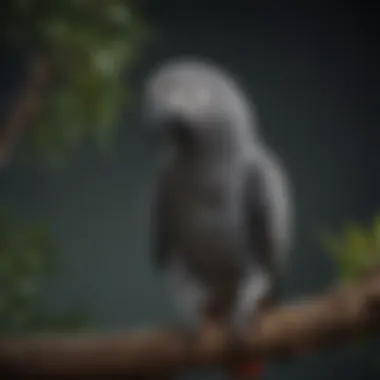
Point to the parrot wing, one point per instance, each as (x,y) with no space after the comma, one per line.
(268,210)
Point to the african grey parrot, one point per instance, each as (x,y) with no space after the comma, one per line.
(221,219)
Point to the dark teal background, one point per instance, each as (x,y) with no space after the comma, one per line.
(314,76)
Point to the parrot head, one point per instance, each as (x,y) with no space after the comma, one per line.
(196,105)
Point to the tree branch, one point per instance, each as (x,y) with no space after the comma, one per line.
(342,314)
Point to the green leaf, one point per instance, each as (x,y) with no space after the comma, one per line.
(376,234)
(91,45)
(355,249)
(27,256)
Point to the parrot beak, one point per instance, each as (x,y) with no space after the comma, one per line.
(173,128)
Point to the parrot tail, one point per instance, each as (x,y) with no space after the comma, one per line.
(249,369)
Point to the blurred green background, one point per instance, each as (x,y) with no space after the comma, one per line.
(76,170)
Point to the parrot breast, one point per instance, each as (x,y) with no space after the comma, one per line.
(209,230)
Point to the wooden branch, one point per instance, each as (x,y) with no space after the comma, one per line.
(335,317)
